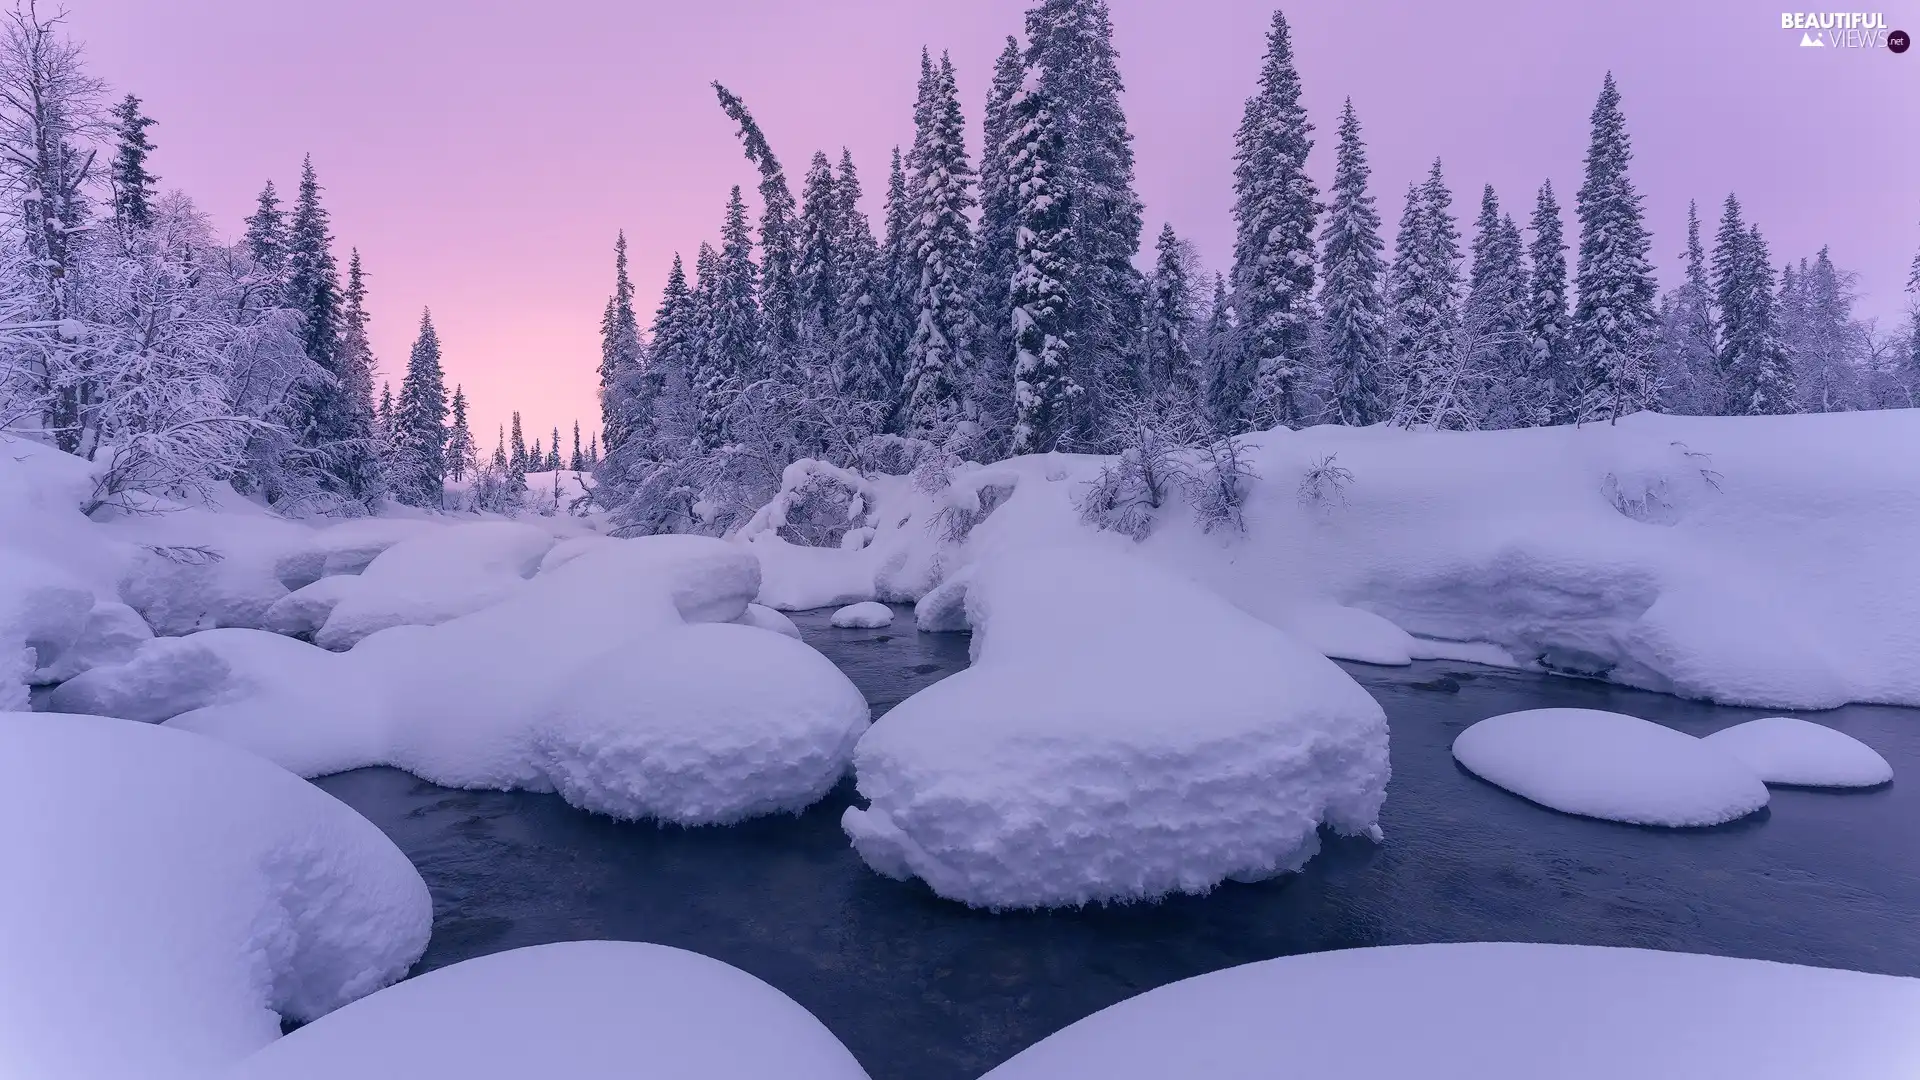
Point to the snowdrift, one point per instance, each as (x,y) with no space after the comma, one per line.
(575,1009)
(1495,1012)
(1121,735)
(174,895)
(1762,561)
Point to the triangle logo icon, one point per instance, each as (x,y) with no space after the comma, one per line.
(1808,41)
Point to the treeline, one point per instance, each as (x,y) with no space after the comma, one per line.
(998,310)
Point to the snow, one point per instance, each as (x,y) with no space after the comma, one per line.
(112,633)
(866,615)
(1786,750)
(437,576)
(599,679)
(1609,765)
(1495,1011)
(795,578)
(1346,633)
(573,1009)
(302,612)
(767,618)
(182,893)
(1121,734)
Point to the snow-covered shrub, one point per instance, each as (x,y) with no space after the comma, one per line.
(892,455)
(1224,475)
(1659,492)
(1325,484)
(1153,464)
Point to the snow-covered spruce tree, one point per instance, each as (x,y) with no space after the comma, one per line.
(779,250)
(1497,314)
(1755,367)
(1423,300)
(619,352)
(1827,344)
(1219,358)
(817,286)
(1172,366)
(1070,52)
(420,424)
(322,419)
(577,461)
(1614,321)
(1043,386)
(1274,210)
(1352,307)
(733,332)
(709,376)
(356,372)
(1689,381)
(383,416)
(462,455)
(664,383)
(131,181)
(266,236)
(517,464)
(939,360)
(994,253)
(900,276)
(49,113)
(552,463)
(863,367)
(1549,322)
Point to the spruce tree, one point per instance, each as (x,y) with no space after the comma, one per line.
(323,414)
(999,209)
(863,361)
(1352,307)
(1688,377)
(619,348)
(670,363)
(537,457)
(1496,318)
(1614,322)
(132,184)
(1218,364)
(1043,385)
(1549,321)
(462,456)
(1274,210)
(356,357)
(734,331)
(817,285)
(1172,372)
(593,451)
(712,374)
(266,237)
(517,466)
(1423,300)
(577,462)
(420,420)
(779,245)
(1754,364)
(939,363)
(383,418)
(1071,56)
(901,271)
(500,460)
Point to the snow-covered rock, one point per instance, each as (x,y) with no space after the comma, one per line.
(598,678)
(202,588)
(1787,750)
(41,606)
(766,618)
(435,576)
(112,634)
(175,894)
(1121,735)
(1494,1011)
(866,615)
(302,612)
(570,549)
(943,610)
(346,548)
(795,578)
(574,1009)
(1609,765)
(1345,633)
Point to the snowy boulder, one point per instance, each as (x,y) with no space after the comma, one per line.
(438,575)
(568,550)
(1122,734)
(199,588)
(796,578)
(1608,765)
(944,609)
(162,679)
(1786,750)
(766,618)
(1345,633)
(345,548)
(866,615)
(302,612)
(574,1009)
(42,605)
(1566,1011)
(704,725)
(181,897)
(113,633)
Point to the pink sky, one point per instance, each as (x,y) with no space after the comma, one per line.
(481,154)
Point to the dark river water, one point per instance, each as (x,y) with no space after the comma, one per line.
(923,989)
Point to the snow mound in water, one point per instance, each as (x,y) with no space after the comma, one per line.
(302,612)
(1121,735)
(574,1009)
(1564,1011)
(112,634)
(866,615)
(1346,633)
(588,680)
(181,893)
(436,576)
(1609,765)
(719,723)
(1785,750)
(766,618)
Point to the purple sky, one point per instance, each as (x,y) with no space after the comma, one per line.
(482,153)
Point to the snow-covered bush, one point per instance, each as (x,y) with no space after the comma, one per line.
(1153,464)
(1221,483)
(1325,484)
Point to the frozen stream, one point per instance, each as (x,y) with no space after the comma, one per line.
(924,989)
